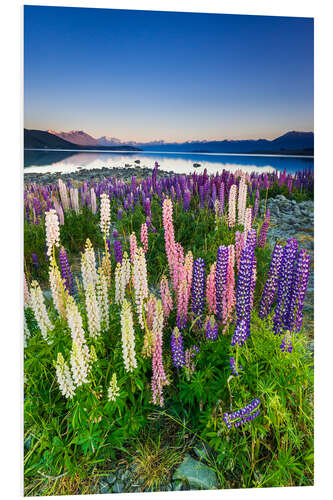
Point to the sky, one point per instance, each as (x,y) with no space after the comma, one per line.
(143,75)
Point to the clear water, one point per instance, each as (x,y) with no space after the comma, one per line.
(69,161)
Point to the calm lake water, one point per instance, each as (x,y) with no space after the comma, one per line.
(68,161)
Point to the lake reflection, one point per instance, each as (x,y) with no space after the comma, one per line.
(69,161)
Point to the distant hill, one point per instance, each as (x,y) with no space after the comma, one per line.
(77,137)
(39,139)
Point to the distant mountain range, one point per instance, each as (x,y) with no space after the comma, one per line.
(290,143)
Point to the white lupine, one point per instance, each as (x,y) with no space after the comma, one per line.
(88,266)
(140,282)
(59,211)
(119,295)
(93,201)
(126,268)
(64,377)
(26,293)
(63,195)
(127,336)
(80,363)
(105,215)
(52,230)
(74,194)
(93,314)
(247,220)
(102,298)
(74,321)
(39,309)
(113,391)
(242,193)
(57,289)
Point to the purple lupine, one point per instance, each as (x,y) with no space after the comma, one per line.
(256,203)
(177,348)
(264,229)
(286,343)
(271,284)
(186,200)
(147,208)
(233,367)
(284,290)
(118,251)
(211,328)
(243,296)
(35,261)
(221,199)
(221,278)
(239,417)
(66,270)
(251,238)
(299,286)
(198,289)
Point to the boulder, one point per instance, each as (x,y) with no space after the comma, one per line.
(196,474)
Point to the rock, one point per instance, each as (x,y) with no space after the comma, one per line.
(125,475)
(196,474)
(104,487)
(196,165)
(111,478)
(118,487)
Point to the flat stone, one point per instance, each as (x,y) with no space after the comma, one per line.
(196,474)
(104,488)
(118,487)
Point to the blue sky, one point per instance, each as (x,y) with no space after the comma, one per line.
(141,75)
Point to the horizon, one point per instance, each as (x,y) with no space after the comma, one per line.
(144,76)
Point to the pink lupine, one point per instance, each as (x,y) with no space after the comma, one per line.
(248,220)
(144,237)
(240,241)
(169,235)
(166,297)
(231,297)
(232,205)
(178,266)
(133,246)
(159,378)
(211,290)
(182,304)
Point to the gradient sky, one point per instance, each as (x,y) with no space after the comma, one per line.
(140,75)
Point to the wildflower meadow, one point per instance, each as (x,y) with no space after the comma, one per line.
(160,328)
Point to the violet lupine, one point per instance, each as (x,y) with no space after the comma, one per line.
(166,297)
(251,237)
(284,290)
(177,348)
(233,367)
(144,237)
(211,290)
(159,379)
(286,343)
(133,246)
(35,261)
(256,203)
(299,286)
(211,328)
(230,297)
(182,304)
(232,205)
(189,361)
(198,289)
(246,414)
(221,280)
(147,208)
(186,200)
(66,270)
(221,199)
(243,294)
(271,284)
(253,281)
(118,251)
(264,229)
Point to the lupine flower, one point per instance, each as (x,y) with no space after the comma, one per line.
(105,215)
(38,306)
(66,270)
(93,202)
(286,343)
(198,289)
(256,203)
(253,281)
(148,341)
(80,363)
(232,205)
(284,290)
(182,304)
(186,200)
(52,230)
(299,286)
(251,237)
(177,348)
(230,292)
(63,195)
(119,288)
(211,328)
(246,414)
(60,212)
(35,261)
(264,229)
(57,289)
(140,282)
(88,266)
(64,377)
(271,284)
(221,280)
(113,391)
(233,367)
(118,251)
(126,269)
(242,193)
(211,290)
(239,245)
(247,220)
(159,379)
(26,292)
(243,294)
(144,237)
(170,246)
(74,195)
(221,199)
(189,361)
(128,338)
(188,269)
(93,355)
(74,321)
(93,313)
(166,297)
(133,246)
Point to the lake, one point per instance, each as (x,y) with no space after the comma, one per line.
(37,161)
